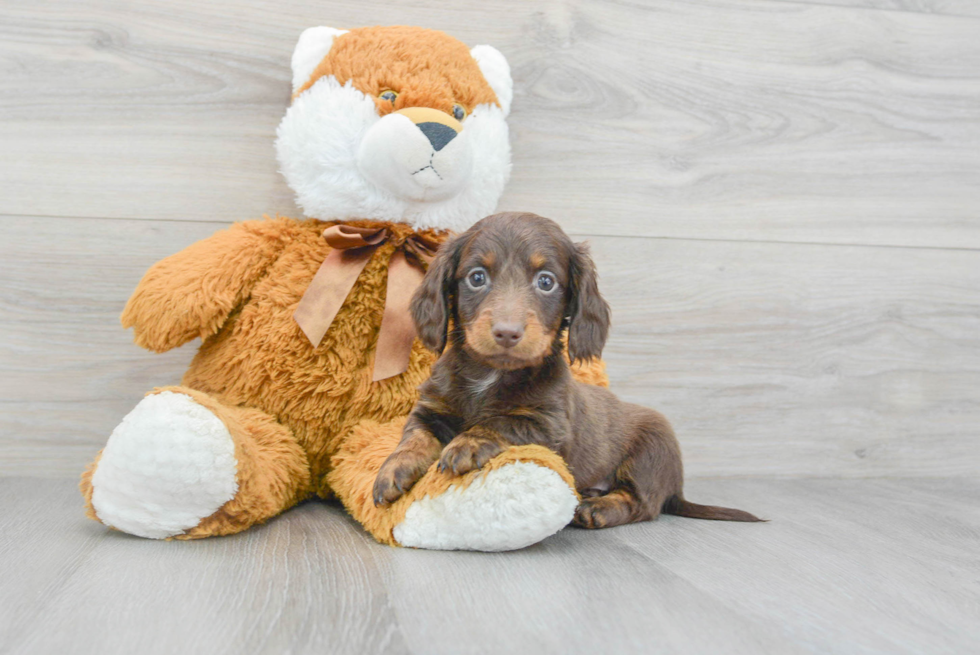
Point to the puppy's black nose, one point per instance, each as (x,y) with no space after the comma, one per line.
(507,335)
(437,134)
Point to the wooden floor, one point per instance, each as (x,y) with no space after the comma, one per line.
(876,566)
(783,198)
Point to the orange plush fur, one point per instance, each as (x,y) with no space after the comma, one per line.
(308,421)
(429,68)
(304,420)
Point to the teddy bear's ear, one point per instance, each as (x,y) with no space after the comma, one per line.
(497,72)
(313,45)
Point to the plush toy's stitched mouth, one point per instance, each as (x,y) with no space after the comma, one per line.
(429,167)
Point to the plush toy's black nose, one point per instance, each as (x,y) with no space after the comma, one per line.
(437,134)
(507,335)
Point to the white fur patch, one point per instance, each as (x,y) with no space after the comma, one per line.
(318,142)
(496,71)
(508,508)
(313,45)
(480,386)
(169,464)
(396,156)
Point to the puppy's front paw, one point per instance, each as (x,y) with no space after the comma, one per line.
(397,475)
(466,453)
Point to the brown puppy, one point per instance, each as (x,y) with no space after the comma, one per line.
(504,293)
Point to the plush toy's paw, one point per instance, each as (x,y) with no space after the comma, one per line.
(507,507)
(167,466)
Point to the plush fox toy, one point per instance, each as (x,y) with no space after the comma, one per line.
(396,136)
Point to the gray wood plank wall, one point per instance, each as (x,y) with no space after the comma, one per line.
(783,199)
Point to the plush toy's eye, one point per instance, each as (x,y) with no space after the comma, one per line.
(545,282)
(476,279)
(458,112)
(388,95)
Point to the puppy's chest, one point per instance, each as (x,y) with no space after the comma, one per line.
(479,398)
(480,387)
(475,399)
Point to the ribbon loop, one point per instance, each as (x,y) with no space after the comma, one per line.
(342,237)
(352,248)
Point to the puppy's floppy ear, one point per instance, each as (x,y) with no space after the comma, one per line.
(430,304)
(587,309)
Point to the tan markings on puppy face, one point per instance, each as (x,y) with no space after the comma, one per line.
(510,312)
(479,334)
(488,259)
(531,351)
(424,68)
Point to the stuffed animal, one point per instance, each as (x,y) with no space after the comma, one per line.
(395,137)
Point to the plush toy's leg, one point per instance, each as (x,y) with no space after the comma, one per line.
(520,497)
(183,465)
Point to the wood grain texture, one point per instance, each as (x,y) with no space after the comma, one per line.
(875,566)
(944,7)
(760,120)
(773,359)
(783,199)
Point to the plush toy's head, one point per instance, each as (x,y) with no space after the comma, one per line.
(396,123)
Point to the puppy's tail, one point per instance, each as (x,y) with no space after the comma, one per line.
(680,507)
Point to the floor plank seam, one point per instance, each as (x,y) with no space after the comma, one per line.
(577,235)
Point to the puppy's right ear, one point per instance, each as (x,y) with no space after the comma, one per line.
(430,304)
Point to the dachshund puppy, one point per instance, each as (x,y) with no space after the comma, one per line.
(504,294)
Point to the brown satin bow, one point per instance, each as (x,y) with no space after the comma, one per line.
(352,249)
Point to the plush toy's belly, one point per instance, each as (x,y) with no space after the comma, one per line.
(262,359)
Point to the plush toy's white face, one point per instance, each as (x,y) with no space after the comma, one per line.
(395,123)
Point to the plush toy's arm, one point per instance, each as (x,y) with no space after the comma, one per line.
(192,292)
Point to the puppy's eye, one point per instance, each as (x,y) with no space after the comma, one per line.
(545,282)
(389,96)
(458,112)
(477,278)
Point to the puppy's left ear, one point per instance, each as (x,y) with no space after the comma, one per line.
(431,303)
(587,309)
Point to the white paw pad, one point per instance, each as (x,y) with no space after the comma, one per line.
(169,464)
(508,508)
